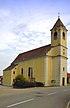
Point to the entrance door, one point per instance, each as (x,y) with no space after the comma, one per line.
(63,81)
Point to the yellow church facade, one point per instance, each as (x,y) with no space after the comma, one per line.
(47,64)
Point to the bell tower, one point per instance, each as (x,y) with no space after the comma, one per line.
(59,53)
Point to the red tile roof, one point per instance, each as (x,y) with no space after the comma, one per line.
(10,67)
(68,75)
(29,54)
(32,53)
(58,24)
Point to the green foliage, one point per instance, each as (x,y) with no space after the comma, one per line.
(20,78)
(21,82)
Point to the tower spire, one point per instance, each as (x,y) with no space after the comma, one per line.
(58,15)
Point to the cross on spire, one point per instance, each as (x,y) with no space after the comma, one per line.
(58,15)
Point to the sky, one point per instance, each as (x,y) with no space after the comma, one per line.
(26,24)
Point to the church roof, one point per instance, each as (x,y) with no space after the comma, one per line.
(58,24)
(10,67)
(68,75)
(32,53)
(29,54)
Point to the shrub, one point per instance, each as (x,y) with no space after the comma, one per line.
(23,84)
(28,84)
(39,84)
(20,78)
(20,82)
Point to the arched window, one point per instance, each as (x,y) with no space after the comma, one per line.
(13,72)
(22,71)
(63,35)
(30,72)
(55,35)
(63,68)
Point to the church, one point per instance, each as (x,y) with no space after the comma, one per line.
(46,64)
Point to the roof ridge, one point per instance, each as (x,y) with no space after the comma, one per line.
(34,49)
(32,53)
(58,23)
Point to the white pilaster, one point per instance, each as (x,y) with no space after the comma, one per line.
(46,70)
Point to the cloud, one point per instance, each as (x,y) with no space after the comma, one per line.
(19,34)
(31,39)
(22,30)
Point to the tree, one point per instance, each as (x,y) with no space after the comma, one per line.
(20,78)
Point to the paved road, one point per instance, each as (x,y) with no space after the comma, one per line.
(48,97)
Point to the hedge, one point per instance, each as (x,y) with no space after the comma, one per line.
(27,84)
